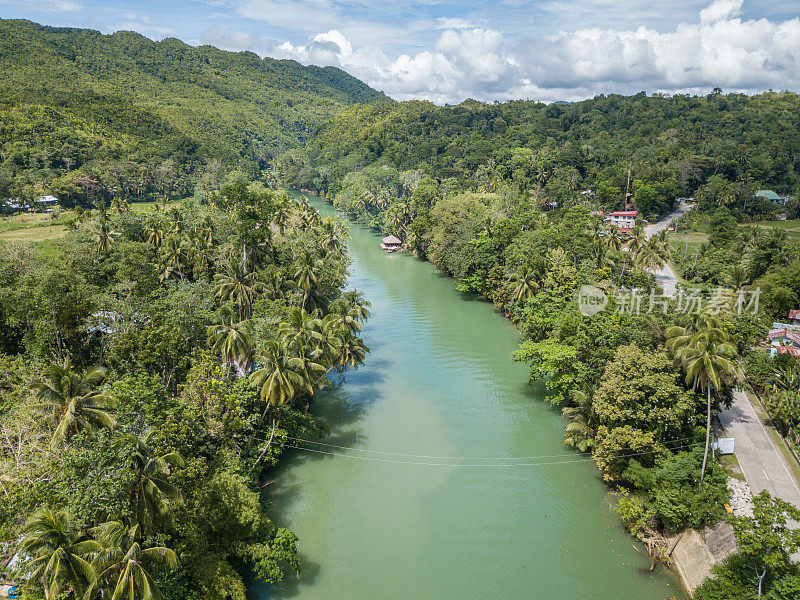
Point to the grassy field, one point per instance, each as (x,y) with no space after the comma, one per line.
(791,227)
(35,220)
(43,228)
(678,241)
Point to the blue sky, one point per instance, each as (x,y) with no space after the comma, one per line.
(445,50)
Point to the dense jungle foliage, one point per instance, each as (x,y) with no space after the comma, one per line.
(153,365)
(146,116)
(719,148)
(492,195)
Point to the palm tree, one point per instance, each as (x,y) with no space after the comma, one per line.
(119,205)
(579,431)
(104,235)
(601,255)
(155,233)
(306,274)
(232,340)
(202,255)
(120,565)
(653,253)
(240,287)
(679,336)
(278,376)
(150,492)
(737,277)
(281,215)
(787,378)
(611,236)
(524,284)
(707,358)
(173,256)
(207,230)
(71,401)
(357,303)
(301,329)
(637,238)
(352,352)
(57,560)
(346,318)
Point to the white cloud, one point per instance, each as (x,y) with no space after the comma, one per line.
(721,9)
(717,48)
(452,23)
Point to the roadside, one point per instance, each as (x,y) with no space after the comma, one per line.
(762,463)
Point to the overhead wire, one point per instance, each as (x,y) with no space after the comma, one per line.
(667,445)
(454,464)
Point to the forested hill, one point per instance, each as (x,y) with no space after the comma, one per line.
(74,96)
(726,145)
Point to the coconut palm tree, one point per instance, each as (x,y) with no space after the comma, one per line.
(637,238)
(57,560)
(601,255)
(352,352)
(524,284)
(787,377)
(174,256)
(121,564)
(119,205)
(104,235)
(301,330)
(652,254)
(707,358)
(206,230)
(357,303)
(737,278)
(306,274)
(150,492)
(232,340)
(281,215)
(679,336)
(71,401)
(278,376)
(611,236)
(202,255)
(155,233)
(347,318)
(240,287)
(579,431)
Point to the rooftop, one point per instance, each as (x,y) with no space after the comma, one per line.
(768,194)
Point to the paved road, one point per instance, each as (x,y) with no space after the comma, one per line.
(665,277)
(763,465)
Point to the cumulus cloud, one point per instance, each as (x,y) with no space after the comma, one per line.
(717,48)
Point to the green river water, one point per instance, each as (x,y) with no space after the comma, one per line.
(439,382)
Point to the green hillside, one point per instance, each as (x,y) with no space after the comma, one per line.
(74,97)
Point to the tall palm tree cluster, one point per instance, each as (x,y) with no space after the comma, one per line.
(112,559)
(608,243)
(279,251)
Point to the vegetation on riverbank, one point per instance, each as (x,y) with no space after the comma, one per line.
(152,370)
(498,208)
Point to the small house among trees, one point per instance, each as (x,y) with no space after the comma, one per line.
(391,244)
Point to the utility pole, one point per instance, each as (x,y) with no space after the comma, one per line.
(627,185)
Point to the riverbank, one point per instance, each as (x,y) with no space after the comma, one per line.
(490,504)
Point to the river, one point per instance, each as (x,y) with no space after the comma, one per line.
(376,524)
